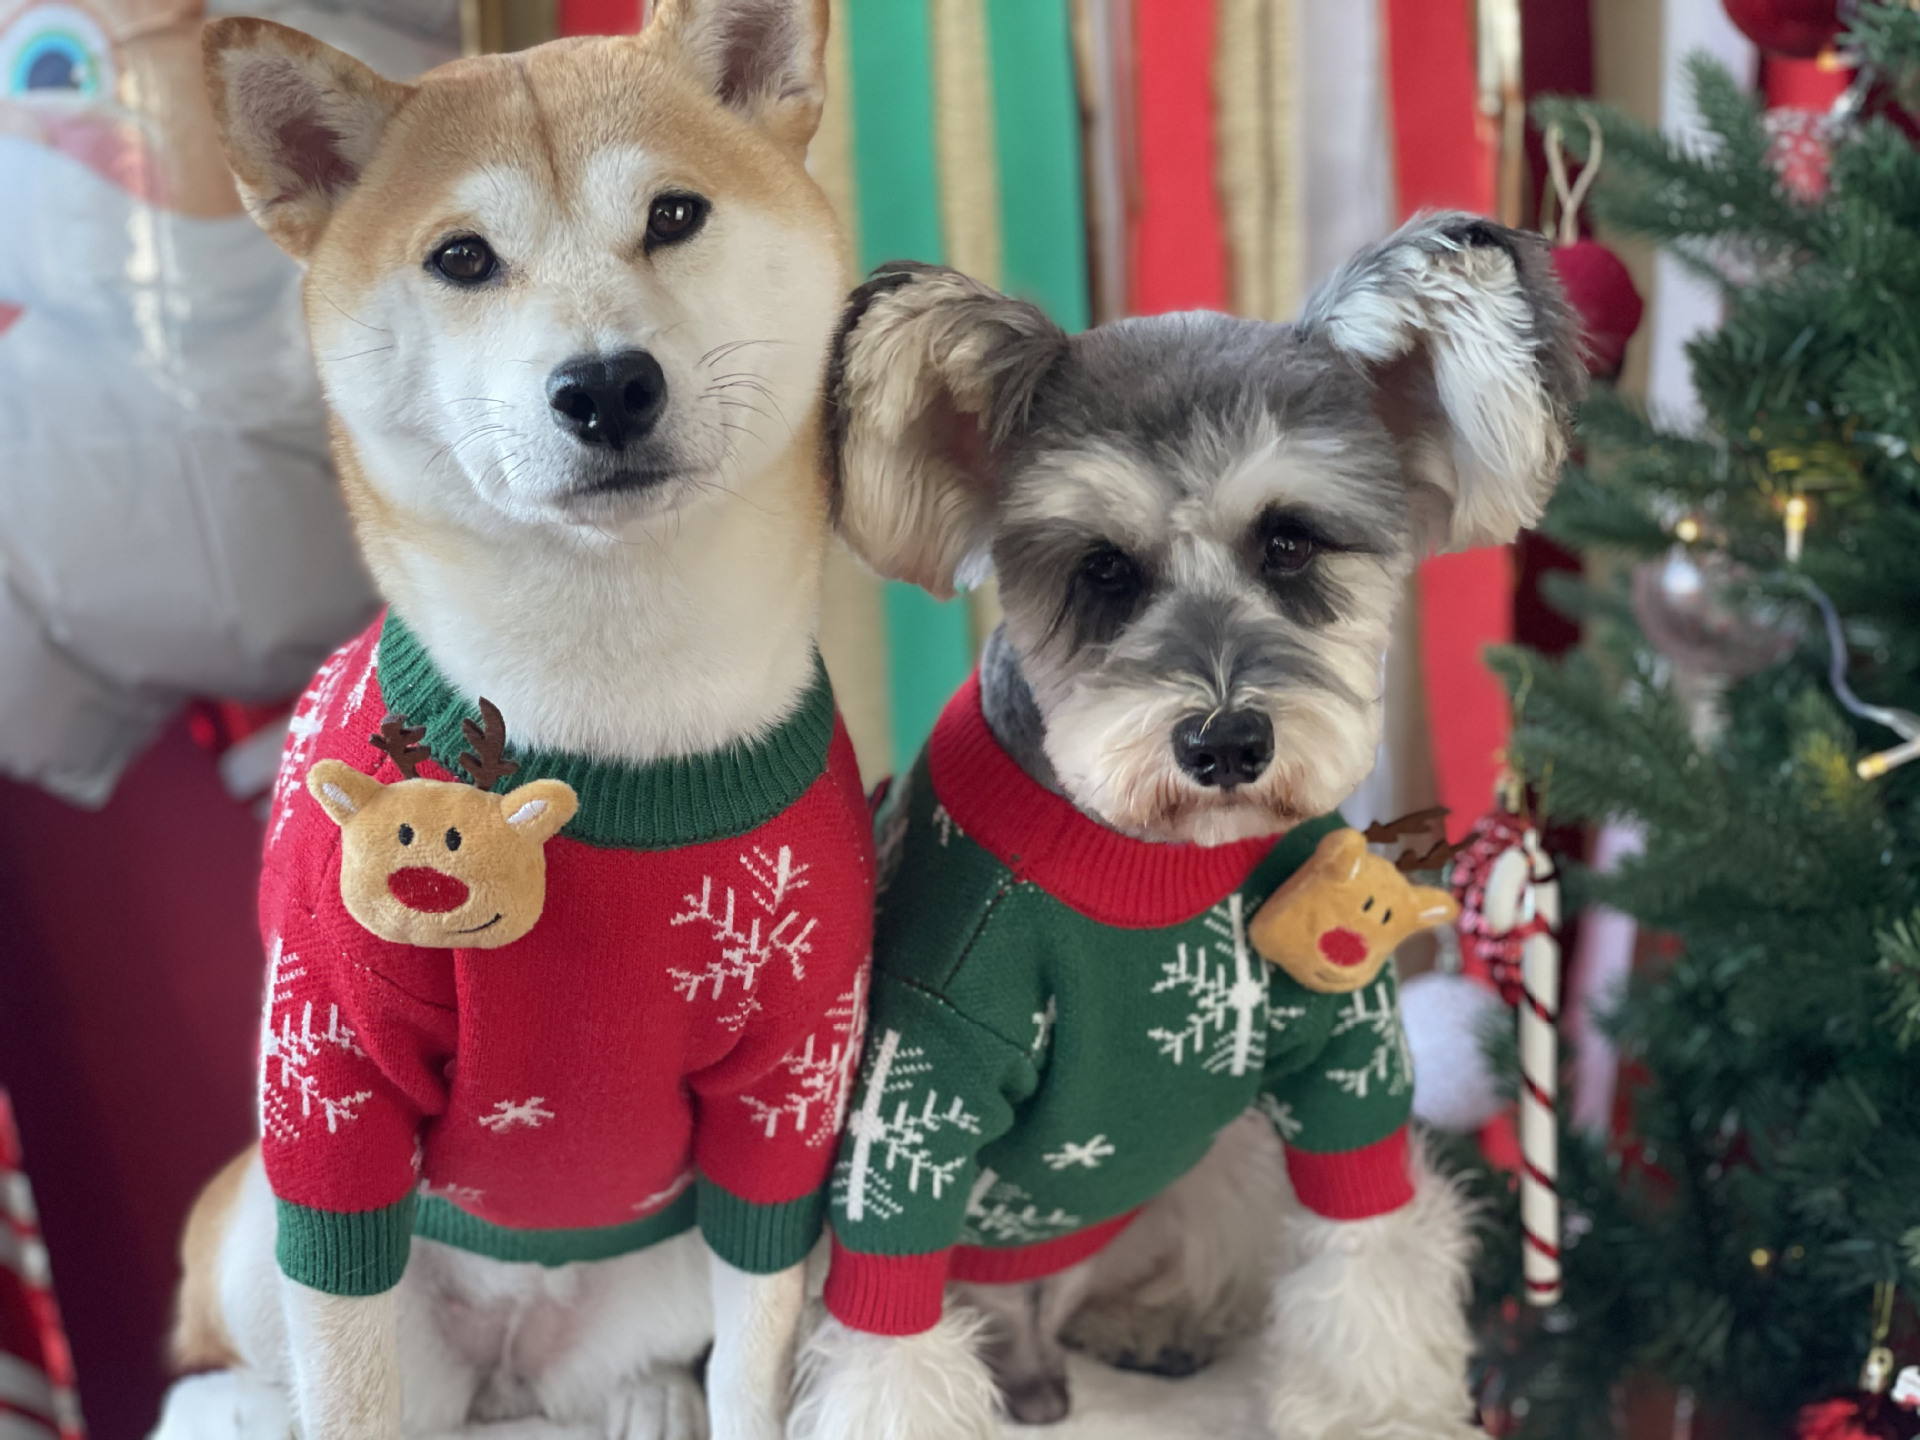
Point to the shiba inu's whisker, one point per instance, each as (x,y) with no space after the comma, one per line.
(376,350)
(720,352)
(377,329)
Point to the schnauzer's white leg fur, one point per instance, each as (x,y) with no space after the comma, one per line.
(1196,1268)
(1368,1332)
(932,1386)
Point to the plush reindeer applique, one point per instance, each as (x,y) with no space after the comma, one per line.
(441,862)
(1333,924)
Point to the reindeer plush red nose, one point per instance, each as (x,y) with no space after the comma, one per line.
(421,887)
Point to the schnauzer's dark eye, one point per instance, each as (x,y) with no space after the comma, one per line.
(1289,549)
(406,834)
(1111,572)
(673,218)
(466,260)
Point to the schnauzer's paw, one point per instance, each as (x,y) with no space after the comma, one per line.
(1169,1340)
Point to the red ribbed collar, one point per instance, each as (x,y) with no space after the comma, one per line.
(1042,838)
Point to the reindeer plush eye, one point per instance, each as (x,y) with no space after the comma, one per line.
(406,834)
(453,839)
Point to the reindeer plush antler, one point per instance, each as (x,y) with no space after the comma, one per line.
(487,762)
(401,742)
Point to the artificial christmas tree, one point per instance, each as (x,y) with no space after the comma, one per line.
(1767,1186)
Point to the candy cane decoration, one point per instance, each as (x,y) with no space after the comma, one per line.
(1510,911)
(1528,875)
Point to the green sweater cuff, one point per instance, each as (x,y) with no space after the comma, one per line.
(362,1252)
(760,1239)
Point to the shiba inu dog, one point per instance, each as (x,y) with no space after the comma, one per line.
(571,310)
(1201,526)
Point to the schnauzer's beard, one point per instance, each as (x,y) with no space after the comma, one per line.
(1111,749)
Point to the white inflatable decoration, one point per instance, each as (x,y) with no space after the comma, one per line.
(169,520)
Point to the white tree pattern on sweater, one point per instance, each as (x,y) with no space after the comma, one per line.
(311,718)
(903,1138)
(1001,1212)
(1223,1023)
(821,1075)
(1391,1063)
(288,1053)
(746,940)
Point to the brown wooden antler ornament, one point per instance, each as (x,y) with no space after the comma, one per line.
(401,742)
(487,762)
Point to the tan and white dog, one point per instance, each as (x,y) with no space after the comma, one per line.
(571,309)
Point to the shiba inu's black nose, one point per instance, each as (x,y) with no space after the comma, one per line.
(1224,749)
(608,400)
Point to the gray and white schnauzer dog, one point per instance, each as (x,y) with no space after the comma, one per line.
(1201,526)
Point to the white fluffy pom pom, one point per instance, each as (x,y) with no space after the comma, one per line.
(1445,1017)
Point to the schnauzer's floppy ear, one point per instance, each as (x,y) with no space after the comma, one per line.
(1476,363)
(930,374)
(299,121)
(764,58)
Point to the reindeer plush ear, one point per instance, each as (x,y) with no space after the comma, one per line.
(343,792)
(930,374)
(1476,362)
(764,58)
(299,121)
(539,808)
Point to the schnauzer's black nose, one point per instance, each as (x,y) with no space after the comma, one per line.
(608,400)
(1226,748)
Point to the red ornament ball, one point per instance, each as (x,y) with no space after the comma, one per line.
(1801,28)
(1601,291)
(1859,1416)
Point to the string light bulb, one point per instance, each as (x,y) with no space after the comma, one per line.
(1797,508)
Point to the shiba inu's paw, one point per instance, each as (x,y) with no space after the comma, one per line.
(225,1405)
(666,1405)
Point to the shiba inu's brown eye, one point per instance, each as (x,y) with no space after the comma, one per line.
(674,218)
(466,260)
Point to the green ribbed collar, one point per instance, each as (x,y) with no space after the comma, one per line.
(654,806)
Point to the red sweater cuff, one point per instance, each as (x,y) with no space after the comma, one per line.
(1353,1184)
(886,1294)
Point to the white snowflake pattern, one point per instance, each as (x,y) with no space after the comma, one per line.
(944,823)
(1086,1152)
(1281,1016)
(1285,1123)
(288,1053)
(507,1114)
(821,1075)
(1000,1211)
(661,1198)
(1391,1063)
(1043,1023)
(744,952)
(904,1137)
(1236,986)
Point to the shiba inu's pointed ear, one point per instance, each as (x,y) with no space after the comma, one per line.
(930,373)
(764,58)
(299,121)
(1476,363)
